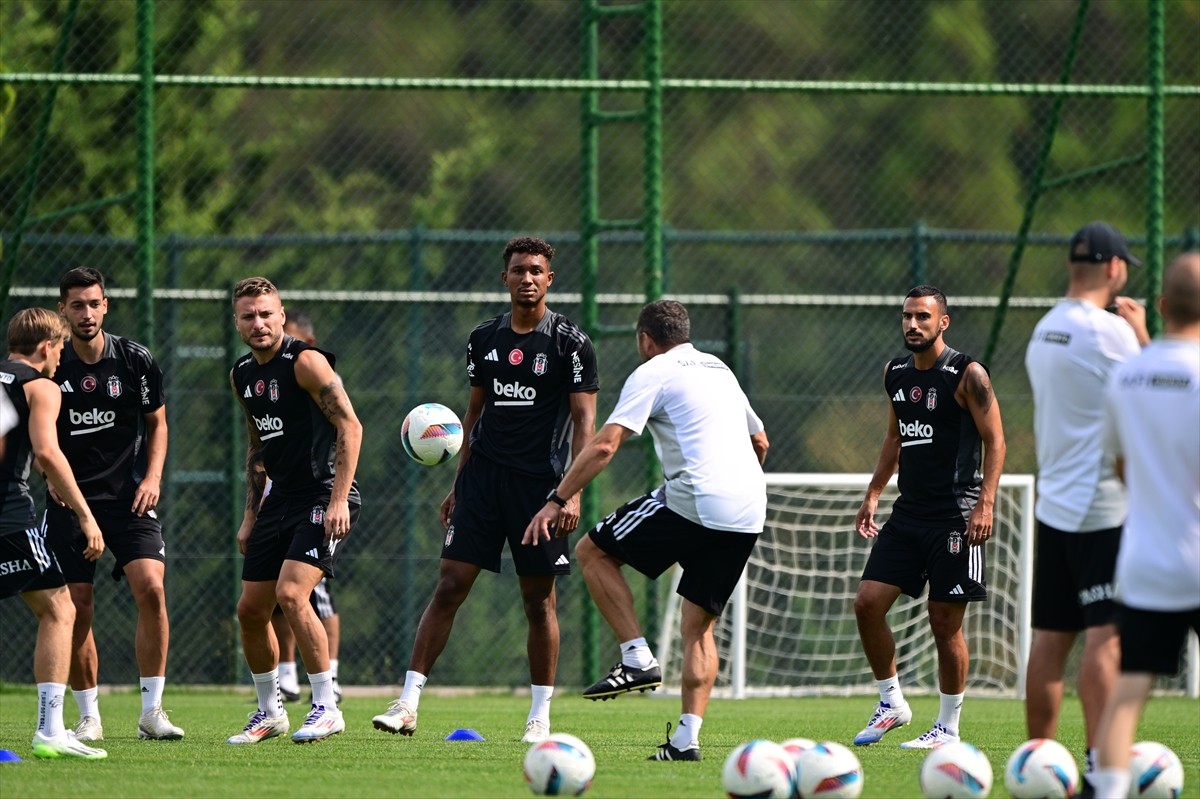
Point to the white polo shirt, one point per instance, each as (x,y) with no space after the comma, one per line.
(1152,420)
(1072,352)
(701,422)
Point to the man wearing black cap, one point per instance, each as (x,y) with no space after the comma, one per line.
(1081,502)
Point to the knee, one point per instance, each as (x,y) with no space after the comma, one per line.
(83,607)
(589,556)
(944,623)
(451,591)
(60,610)
(867,607)
(291,597)
(251,614)
(151,598)
(539,605)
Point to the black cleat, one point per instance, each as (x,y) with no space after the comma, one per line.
(289,696)
(623,679)
(668,752)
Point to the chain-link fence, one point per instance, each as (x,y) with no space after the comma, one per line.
(799,199)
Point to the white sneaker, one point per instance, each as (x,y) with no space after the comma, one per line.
(400,717)
(260,727)
(536,731)
(64,745)
(154,725)
(884,719)
(321,723)
(938,736)
(89,729)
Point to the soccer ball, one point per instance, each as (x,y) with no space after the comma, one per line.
(829,770)
(561,765)
(796,747)
(1041,768)
(1156,771)
(956,771)
(431,434)
(759,769)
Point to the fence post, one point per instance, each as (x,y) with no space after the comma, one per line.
(145,170)
(1154,163)
(918,254)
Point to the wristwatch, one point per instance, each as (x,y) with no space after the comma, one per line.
(555,498)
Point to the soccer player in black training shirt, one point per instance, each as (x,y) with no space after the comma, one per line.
(941,410)
(113,429)
(303,434)
(533,403)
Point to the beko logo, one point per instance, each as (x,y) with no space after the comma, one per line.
(521,395)
(268,426)
(918,433)
(92,420)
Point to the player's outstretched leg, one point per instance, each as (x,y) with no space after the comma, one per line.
(666,751)
(321,723)
(64,745)
(937,736)
(260,727)
(400,717)
(622,679)
(885,719)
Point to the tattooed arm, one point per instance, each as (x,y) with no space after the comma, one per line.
(975,393)
(316,376)
(256,476)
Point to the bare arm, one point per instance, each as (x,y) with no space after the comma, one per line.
(474,411)
(256,476)
(980,400)
(585,466)
(761,445)
(316,376)
(885,467)
(583,419)
(146,497)
(45,400)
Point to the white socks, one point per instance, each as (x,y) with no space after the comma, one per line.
(889,691)
(322,689)
(88,701)
(687,734)
(951,709)
(50,705)
(333,668)
(289,679)
(539,707)
(636,654)
(414,681)
(1111,783)
(152,691)
(266,685)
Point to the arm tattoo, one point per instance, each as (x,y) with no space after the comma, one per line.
(980,388)
(256,477)
(331,399)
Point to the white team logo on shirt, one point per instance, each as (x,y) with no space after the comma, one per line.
(954,543)
(491,356)
(898,396)
(931,399)
(317,516)
(114,386)
(539,364)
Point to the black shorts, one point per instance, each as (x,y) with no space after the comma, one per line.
(494,504)
(127,536)
(1073,578)
(291,528)
(321,600)
(27,564)
(651,538)
(1152,640)
(909,554)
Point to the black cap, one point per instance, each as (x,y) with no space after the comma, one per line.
(1097,242)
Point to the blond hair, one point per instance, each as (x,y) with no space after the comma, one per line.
(31,326)
(253,287)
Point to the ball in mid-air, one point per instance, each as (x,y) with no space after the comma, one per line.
(431,434)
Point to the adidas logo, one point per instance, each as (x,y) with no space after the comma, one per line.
(562,561)
(246,393)
(957,591)
(66,387)
(145,690)
(898,396)
(313,553)
(491,356)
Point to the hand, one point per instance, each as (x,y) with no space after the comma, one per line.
(447,509)
(864,520)
(979,526)
(337,520)
(568,516)
(243,536)
(1134,313)
(145,499)
(95,541)
(54,497)
(542,526)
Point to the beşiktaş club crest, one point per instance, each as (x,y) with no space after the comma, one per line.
(931,399)
(114,386)
(317,516)
(954,543)
(449,535)
(273,390)
(539,364)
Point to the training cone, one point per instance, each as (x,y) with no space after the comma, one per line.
(9,756)
(464,735)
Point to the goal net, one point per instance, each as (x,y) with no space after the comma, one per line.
(789,628)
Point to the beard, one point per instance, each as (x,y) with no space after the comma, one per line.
(920,346)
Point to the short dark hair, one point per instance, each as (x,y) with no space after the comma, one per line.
(1181,289)
(81,277)
(302,322)
(665,322)
(529,245)
(253,287)
(930,291)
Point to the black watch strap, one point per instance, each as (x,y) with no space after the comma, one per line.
(555,498)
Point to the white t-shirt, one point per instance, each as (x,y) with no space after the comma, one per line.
(1152,420)
(1074,349)
(701,422)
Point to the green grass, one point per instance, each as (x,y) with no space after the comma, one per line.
(365,763)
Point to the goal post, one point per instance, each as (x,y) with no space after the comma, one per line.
(789,628)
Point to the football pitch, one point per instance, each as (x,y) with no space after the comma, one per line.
(363,762)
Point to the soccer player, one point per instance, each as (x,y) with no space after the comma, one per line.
(706,517)
(113,429)
(532,404)
(304,436)
(941,410)
(29,407)
(1152,424)
(300,325)
(1080,500)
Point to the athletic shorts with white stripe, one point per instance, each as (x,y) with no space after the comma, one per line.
(651,538)
(907,554)
(26,563)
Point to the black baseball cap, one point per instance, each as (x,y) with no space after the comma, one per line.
(1097,242)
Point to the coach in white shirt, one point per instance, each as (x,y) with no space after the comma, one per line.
(1152,426)
(1080,500)
(706,517)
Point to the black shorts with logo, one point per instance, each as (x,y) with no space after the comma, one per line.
(494,504)
(1073,578)
(651,538)
(291,529)
(127,536)
(27,564)
(1152,640)
(909,553)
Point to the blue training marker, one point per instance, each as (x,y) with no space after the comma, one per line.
(9,756)
(464,735)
